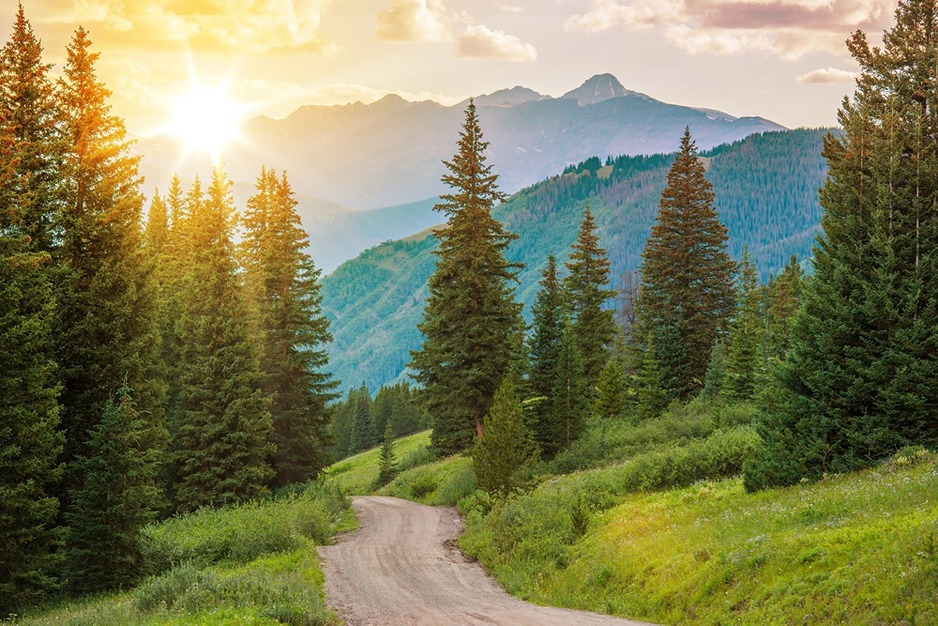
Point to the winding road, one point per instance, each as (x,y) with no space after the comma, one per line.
(402,567)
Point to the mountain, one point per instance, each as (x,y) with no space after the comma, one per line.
(390,152)
(766,194)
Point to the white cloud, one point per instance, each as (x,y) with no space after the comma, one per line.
(482,42)
(414,21)
(789,28)
(827,75)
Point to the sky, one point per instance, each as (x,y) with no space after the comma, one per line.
(781,59)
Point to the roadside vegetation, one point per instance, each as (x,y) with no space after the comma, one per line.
(250,563)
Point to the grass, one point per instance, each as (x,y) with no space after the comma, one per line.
(857,549)
(250,564)
(356,475)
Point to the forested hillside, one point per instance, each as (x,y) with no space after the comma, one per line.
(766,194)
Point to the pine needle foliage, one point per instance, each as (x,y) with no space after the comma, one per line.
(471,322)
(282,282)
(686,297)
(507,446)
(860,379)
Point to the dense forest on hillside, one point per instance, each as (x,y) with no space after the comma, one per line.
(766,194)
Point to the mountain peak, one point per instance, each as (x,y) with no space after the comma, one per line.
(509,97)
(596,89)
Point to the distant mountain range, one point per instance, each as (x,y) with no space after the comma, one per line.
(766,193)
(344,159)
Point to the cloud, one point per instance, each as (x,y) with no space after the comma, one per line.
(827,75)
(414,21)
(252,26)
(790,28)
(480,42)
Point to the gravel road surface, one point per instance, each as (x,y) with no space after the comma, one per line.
(402,567)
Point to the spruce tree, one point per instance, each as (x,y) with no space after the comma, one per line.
(471,323)
(283,283)
(34,192)
(611,391)
(651,395)
(507,446)
(744,358)
(569,401)
(363,435)
(859,380)
(386,468)
(587,291)
(223,429)
(686,297)
(106,323)
(30,441)
(544,352)
(119,495)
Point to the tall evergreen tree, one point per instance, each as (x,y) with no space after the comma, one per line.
(119,495)
(471,322)
(363,434)
(507,446)
(860,378)
(284,285)
(34,192)
(744,359)
(569,402)
(30,441)
(544,350)
(223,429)
(651,395)
(686,297)
(107,317)
(587,290)
(611,390)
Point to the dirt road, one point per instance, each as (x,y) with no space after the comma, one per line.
(402,567)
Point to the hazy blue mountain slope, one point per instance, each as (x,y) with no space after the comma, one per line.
(766,190)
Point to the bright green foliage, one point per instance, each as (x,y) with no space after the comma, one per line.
(106,328)
(363,434)
(283,284)
(33,193)
(118,497)
(860,379)
(651,395)
(544,351)
(745,362)
(612,390)
(471,321)
(569,400)
(687,290)
(506,445)
(587,291)
(386,465)
(29,415)
(222,432)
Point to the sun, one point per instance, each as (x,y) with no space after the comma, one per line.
(205,119)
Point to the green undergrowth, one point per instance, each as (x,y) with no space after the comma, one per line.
(356,475)
(857,549)
(250,564)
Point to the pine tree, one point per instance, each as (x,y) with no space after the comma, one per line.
(715,378)
(744,358)
(569,404)
(859,380)
(284,285)
(651,395)
(611,391)
(686,297)
(118,497)
(33,194)
(507,446)
(223,429)
(386,469)
(340,427)
(544,351)
(363,436)
(471,323)
(587,291)
(107,303)
(30,441)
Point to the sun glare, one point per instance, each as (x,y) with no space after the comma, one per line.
(205,119)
